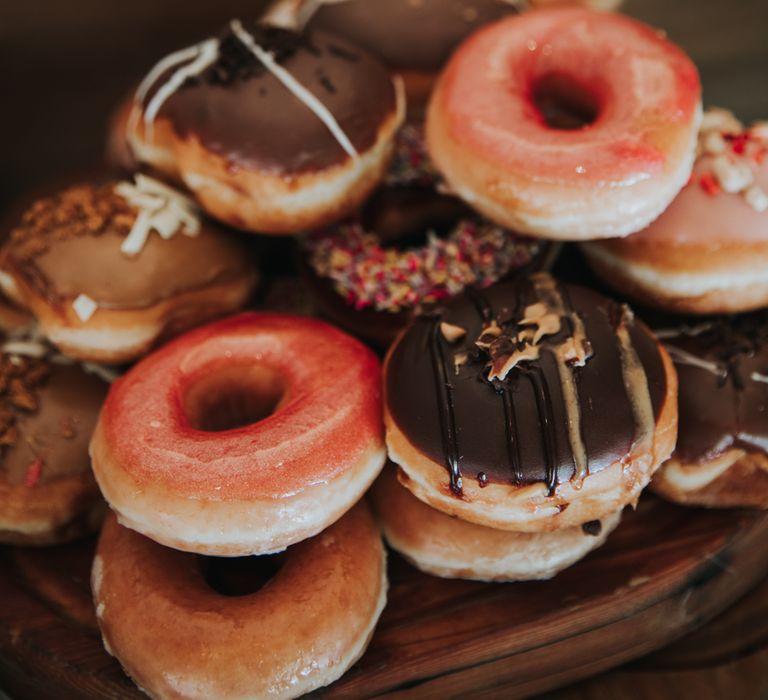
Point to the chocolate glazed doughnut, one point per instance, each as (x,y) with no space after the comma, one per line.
(274,131)
(720,459)
(529,406)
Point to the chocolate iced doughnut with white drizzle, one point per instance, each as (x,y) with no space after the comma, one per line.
(272,130)
(720,460)
(109,269)
(530,406)
(48,409)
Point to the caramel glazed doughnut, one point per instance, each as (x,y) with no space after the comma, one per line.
(530,407)
(708,252)
(48,408)
(720,459)
(242,437)
(177,637)
(273,131)
(110,269)
(566,123)
(441,545)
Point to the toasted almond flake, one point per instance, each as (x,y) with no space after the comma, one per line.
(451,332)
(84,307)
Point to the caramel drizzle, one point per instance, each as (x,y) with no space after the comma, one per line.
(572,352)
(635,384)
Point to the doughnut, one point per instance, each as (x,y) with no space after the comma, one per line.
(566,123)
(414,39)
(48,409)
(411,246)
(272,131)
(708,252)
(720,460)
(531,406)
(162,615)
(242,437)
(443,546)
(109,269)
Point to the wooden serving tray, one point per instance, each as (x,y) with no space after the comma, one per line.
(664,571)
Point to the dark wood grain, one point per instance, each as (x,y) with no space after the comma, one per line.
(664,572)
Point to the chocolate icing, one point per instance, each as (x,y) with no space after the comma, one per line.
(242,112)
(406,34)
(516,430)
(721,404)
(52,433)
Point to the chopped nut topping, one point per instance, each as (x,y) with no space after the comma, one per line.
(501,367)
(546,322)
(451,332)
(459,360)
(20,379)
(490,332)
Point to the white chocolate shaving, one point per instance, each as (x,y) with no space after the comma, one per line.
(301,93)
(757,198)
(84,307)
(718,119)
(733,176)
(27,348)
(205,54)
(161,209)
(686,358)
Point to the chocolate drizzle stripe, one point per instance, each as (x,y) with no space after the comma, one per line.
(636,386)
(547,419)
(546,288)
(513,439)
(444,390)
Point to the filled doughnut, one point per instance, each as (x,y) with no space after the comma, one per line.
(441,545)
(109,269)
(708,252)
(720,460)
(180,633)
(566,123)
(273,131)
(48,409)
(412,246)
(242,437)
(530,406)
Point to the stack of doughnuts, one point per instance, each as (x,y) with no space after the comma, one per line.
(417,194)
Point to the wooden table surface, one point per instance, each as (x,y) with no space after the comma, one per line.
(65,65)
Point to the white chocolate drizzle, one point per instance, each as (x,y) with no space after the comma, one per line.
(84,307)
(161,208)
(202,55)
(301,93)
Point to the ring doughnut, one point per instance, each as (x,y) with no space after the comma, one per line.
(708,252)
(216,115)
(412,246)
(109,269)
(451,548)
(47,413)
(720,460)
(179,638)
(566,123)
(531,406)
(242,437)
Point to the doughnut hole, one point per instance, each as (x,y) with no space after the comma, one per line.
(239,576)
(402,216)
(564,103)
(233,397)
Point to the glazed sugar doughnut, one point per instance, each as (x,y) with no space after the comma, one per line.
(566,123)
(720,460)
(242,437)
(531,406)
(178,637)
(412,246)
(216,116)
(451,548)
(707,253)
(109,269)
(47,413)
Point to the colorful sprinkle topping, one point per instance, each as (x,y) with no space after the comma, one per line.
(371,276)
